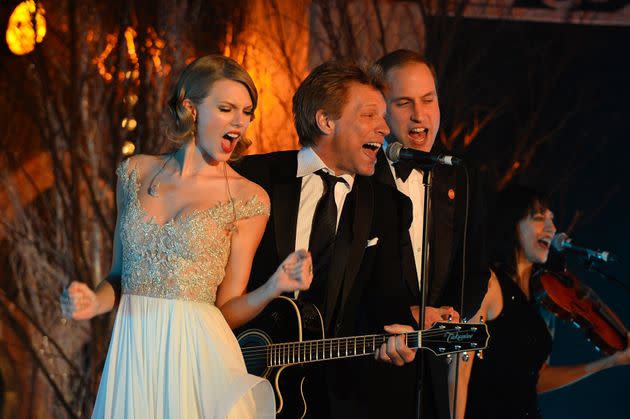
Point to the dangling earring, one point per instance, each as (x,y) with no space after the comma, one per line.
(193,134)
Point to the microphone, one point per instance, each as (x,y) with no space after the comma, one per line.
(562,243)
(395,151)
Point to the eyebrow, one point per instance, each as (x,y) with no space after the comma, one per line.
(396,99)
(227,102)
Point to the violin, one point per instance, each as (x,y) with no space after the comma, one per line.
(565,296)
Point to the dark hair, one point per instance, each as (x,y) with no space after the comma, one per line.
(402,57)
(326,88)
(513,203)
(194,84)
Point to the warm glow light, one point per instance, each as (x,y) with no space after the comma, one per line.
(155,45)
(100,60)
(21,36)
(132,124)
(227,51)
(130,35)
(128,148)
(131,99)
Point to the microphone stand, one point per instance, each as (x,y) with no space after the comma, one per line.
(426,184)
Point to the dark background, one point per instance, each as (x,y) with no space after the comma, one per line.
(584,167)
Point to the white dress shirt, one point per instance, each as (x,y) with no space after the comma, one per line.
(312,189)
(308,162)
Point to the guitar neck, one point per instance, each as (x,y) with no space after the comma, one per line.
(290,353)
(442,341)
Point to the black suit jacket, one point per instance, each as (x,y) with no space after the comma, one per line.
(276,173)
(446,229)
(371,211)
(446,235)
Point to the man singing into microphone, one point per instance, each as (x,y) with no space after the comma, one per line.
(339,116)
(413,116)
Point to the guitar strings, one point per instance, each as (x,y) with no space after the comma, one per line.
(339,345)
(306,357)
(361,339)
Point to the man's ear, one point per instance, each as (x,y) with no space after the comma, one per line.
(191,108)
(324,122)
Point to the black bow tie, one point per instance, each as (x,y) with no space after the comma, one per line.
(403,168)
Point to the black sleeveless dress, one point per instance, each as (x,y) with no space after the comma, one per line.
(503,384)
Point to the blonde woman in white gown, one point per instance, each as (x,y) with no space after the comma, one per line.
(187,230)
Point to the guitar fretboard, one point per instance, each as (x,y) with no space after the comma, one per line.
(327,349)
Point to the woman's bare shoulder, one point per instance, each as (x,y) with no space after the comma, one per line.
(145,163)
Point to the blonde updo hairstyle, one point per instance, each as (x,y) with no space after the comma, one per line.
(194,84)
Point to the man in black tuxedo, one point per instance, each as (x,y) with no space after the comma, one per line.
(413,116)
(339,117)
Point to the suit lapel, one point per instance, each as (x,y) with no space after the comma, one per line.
(352,236)
(383,174)
(441,231)
(285,200)
(361,225)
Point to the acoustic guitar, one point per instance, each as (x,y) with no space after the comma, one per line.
(291,332)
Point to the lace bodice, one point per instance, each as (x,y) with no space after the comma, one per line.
(184,258)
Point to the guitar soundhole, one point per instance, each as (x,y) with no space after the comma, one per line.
(253,344)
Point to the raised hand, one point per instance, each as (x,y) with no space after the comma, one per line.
(295,273)
(78,302)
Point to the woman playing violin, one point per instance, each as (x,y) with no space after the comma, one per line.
(514,368)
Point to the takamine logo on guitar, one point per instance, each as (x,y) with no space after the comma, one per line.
(458,336)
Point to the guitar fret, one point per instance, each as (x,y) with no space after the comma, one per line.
(441,339)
